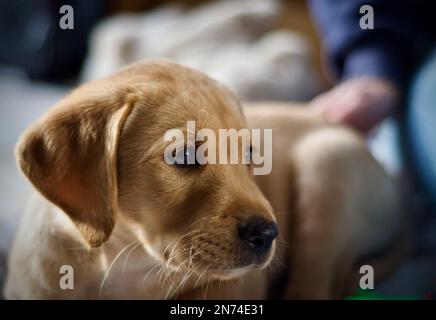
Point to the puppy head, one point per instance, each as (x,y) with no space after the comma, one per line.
(100,153)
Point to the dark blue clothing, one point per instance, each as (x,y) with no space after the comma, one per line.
(404,34)
(419,128)
(404,31)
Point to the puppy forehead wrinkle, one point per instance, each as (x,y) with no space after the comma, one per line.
(185,90)
(219,97)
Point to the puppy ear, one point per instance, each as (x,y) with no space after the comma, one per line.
(70,157)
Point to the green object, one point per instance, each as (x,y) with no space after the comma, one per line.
(374,295)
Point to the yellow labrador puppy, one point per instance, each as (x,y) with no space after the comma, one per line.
(110,218)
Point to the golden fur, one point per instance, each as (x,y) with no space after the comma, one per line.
(134,227)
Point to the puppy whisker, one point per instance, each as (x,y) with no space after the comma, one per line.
(127,257)
(149,272)
(112,264)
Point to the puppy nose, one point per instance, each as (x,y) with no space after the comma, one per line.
(258,234)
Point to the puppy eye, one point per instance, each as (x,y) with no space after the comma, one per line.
(188,155)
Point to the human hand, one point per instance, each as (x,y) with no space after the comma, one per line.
(361,103)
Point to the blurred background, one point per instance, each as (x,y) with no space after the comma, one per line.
(261,49)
